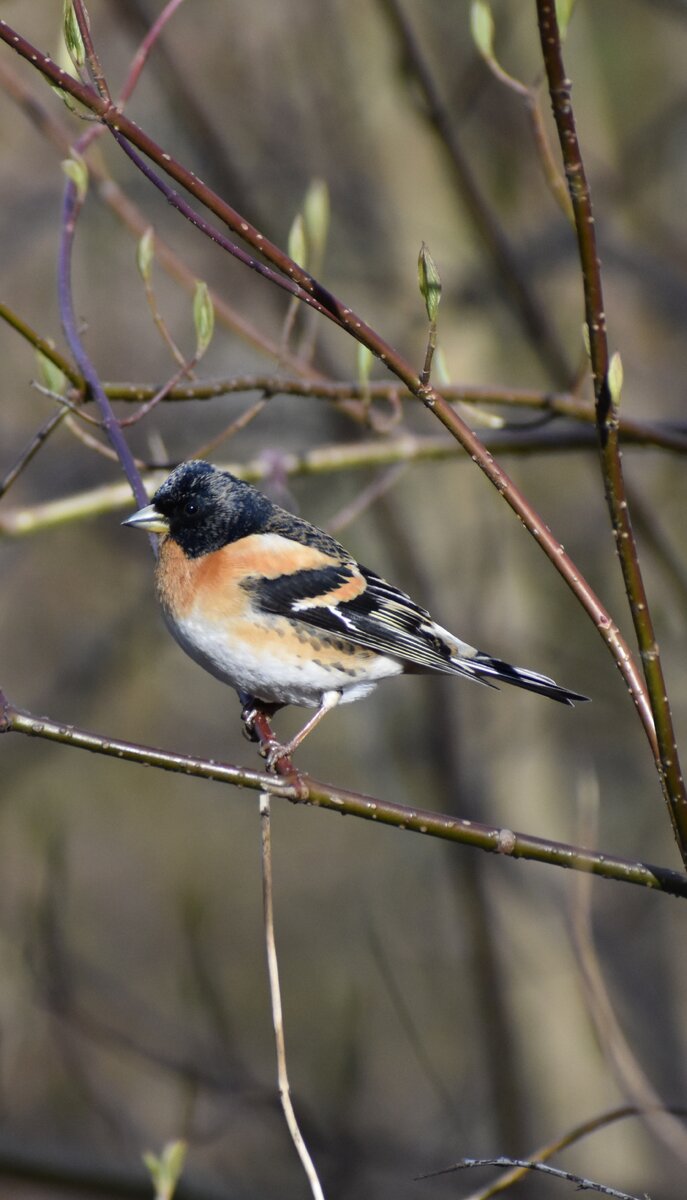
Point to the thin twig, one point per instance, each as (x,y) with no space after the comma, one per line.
(275,999)
(236,426)
(321,460)
(184,370)
(93,443)
(42,345)
(534,320)
(617,1050)
(366,497)
(32,448)
(530,97)
(302,788)
(574,1135)
(71,208)
(141,56)
(582,1184)
(161,326)
(93,63)
(667,435)
(177,201)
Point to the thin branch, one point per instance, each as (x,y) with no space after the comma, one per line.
(581,1184)
(366,497)
(32,448)
(70,212)
(668,762)
(304,789)
(651,530)
(532,316)
(93,63)
(162,393)
(350,395)
(141,56)
(574,1135)
(275,999)
(230,431)
(177,201)
(322,460)
(618,1052)
(530,98)
(43,345)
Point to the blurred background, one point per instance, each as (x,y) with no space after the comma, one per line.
(435,1004)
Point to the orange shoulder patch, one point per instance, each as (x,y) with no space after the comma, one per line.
(214,580)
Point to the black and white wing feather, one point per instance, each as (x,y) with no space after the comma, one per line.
(351,602)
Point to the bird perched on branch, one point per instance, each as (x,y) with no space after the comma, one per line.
(277,608)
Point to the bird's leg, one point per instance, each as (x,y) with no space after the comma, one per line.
(275,752)
(250,708)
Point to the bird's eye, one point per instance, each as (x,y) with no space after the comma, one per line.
(190,508)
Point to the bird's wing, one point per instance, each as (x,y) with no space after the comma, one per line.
(350,602)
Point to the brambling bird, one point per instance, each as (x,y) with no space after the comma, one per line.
(277,608)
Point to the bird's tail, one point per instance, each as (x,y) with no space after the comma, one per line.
(492,671)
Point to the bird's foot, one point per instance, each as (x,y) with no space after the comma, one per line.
(248,714)
(273,752)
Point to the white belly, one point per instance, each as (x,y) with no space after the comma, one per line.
(263,675)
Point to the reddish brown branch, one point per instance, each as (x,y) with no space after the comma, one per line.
(668,762)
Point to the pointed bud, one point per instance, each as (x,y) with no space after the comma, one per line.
(296,243)
(615,378)
(316,216)
(482,28)
(203,318)
(430,282)
(145,252)
(586,339)
(75,169)
(68,101)
(72,35)
(564,11)
(365,359)
(50,374)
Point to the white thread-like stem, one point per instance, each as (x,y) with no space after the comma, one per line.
(275,998)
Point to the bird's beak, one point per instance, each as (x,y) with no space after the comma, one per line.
(148,518)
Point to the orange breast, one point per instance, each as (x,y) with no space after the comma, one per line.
(212,583)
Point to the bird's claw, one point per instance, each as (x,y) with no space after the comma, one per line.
(248,715)
(273,752)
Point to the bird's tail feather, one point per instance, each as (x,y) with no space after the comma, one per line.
(492,671)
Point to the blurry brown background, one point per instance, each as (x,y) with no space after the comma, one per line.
(433,1003)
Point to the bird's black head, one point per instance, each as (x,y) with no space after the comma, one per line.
(206,508)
